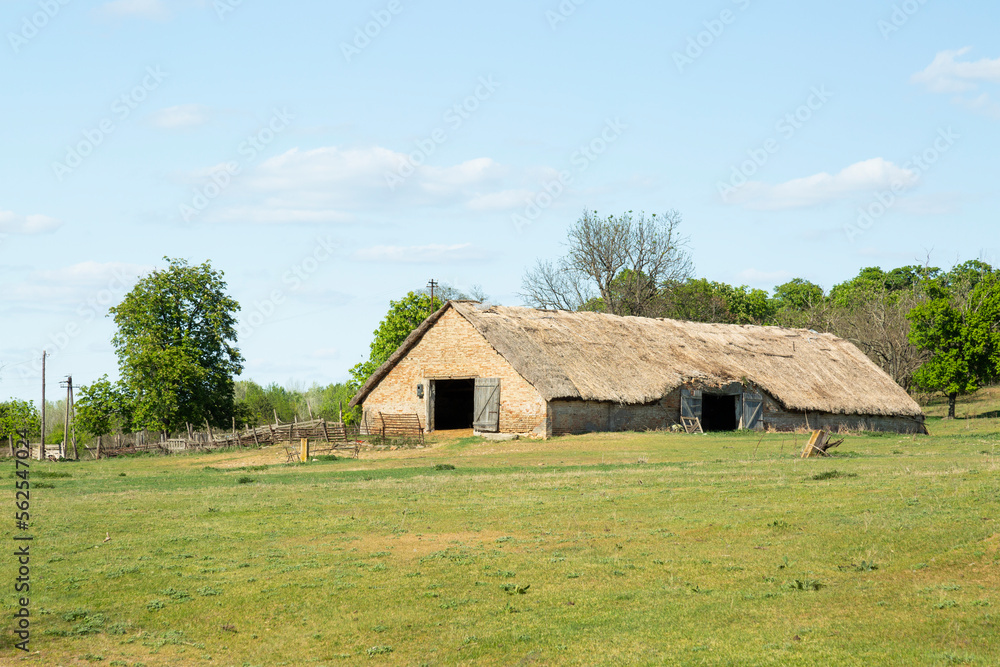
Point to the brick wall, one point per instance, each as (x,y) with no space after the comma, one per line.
(452,348)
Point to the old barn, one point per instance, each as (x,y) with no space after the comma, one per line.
(525,371)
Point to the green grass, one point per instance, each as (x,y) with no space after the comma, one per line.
(603,549)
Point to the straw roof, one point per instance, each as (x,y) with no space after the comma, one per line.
(635,360)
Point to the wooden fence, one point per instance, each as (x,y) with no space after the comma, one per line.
(270,434)
(385,427)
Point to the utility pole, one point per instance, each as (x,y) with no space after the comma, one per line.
(41,448)
(72,408)
(66,423)
(65,442)
(432,284)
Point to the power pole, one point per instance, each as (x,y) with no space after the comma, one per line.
(432,284)
(65,442)
(41,448)
(72,408)
(66,423)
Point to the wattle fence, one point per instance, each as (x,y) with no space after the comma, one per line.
(119,444)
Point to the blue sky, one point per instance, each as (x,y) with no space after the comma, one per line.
(329,157)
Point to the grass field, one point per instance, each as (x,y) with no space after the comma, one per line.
(601,549)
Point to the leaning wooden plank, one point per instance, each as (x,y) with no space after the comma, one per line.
(815,446)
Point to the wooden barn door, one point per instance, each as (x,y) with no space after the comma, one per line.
(486,416)
(753,411)
(431,404)
(691,403)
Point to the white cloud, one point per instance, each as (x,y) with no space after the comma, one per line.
(947,75)
(332,184)
(181,117)
(146,9)
(824,188)
(982,104)
(433,253)
(90,272)
(101,284)
(11,223)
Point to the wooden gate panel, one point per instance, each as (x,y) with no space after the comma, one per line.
(486,414)
(753,411)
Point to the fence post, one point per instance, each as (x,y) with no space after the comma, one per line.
(304,453)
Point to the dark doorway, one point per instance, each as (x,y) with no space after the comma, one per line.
(718,413)
(454,401)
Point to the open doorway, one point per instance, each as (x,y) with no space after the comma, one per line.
(454,402)
(718,413)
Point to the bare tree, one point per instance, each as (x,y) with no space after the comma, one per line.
(448,292)
(555,287)
(625,259)
(478,293)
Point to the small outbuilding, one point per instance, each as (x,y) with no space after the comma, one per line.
(544,373)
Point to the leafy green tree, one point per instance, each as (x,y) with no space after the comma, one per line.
(403,317)
(253,407)
(963,340)
(749,306)
(701,300)
(799,304)
(330,400)
(984,323)
(964,278)
(176,346)
(256,405)
(103,408)
(17,415)
(696,300)
(798,294)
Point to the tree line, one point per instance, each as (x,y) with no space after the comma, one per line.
(930,329)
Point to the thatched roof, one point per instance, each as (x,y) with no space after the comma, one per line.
(635,360)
